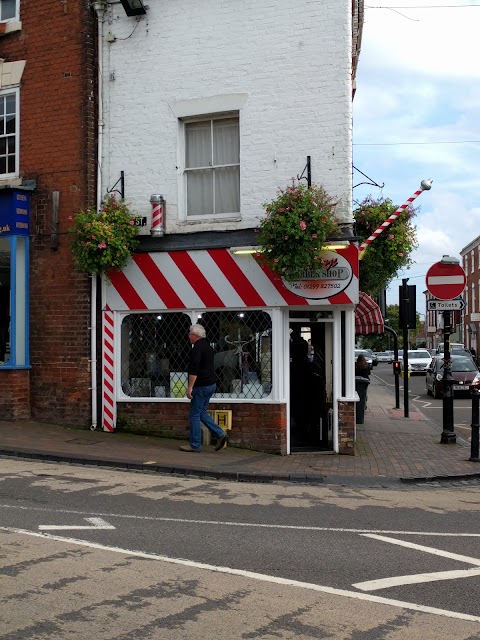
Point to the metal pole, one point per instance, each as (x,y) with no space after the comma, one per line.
(448,434)
(396,373)
(405,300)
(474,445)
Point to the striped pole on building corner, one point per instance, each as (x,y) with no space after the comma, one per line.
(108,395)
(425,185)
(157,230)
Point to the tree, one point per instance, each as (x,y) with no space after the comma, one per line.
(390,251)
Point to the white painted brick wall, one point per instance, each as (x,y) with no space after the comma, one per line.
(291,60)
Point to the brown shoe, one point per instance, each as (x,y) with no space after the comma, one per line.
(187,447)
(221,442)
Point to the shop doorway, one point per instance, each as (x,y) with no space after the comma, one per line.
(311,383)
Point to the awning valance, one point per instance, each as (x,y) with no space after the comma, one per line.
(368,317)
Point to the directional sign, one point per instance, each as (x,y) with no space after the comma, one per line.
(446,281)
(446,305)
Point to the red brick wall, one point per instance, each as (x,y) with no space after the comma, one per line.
(58,150)
(346,428)
(15,394)
(262,427)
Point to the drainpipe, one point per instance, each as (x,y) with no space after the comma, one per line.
(99,6)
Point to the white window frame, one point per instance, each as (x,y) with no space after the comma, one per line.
(472,310)
(16,173)
(472,258)
(17,12)
(234,215)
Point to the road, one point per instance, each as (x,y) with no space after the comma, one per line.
(432,408)
(122,555)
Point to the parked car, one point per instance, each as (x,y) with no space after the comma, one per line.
(464,372)
(366,354)
(418,360)
(385,356)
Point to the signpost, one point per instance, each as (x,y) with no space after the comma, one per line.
(446,305)
(446,280)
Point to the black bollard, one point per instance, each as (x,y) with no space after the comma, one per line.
(474,445)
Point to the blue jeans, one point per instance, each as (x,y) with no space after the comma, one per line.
(198,413)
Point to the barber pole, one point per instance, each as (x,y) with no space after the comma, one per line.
(425,185)
(157,229)
(108,400)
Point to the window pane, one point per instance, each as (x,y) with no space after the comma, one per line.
(227,190)
(198,144)
(3,164)
(7,9)
(242,341)
(154,355)
(3,146)
(11,164)
(10,124)
(200,192)
(226,141)
(4,300)
(10,103)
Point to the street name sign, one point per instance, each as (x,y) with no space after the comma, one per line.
(445,281)
(446,305)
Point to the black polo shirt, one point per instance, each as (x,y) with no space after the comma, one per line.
(201,363)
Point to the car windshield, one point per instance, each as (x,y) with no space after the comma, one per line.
(461,364)
(419,354)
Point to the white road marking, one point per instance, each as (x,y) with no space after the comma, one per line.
(223,523)
(252,575)
(95,523)
(396,581)
(418,578)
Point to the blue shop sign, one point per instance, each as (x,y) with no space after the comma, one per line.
(14,213)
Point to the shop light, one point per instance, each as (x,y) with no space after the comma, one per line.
(134,7)
(244,250)
(335,245)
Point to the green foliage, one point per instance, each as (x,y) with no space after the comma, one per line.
(390,251)
(297,223)
(104,241)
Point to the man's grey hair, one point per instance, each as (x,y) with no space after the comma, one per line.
(198,330)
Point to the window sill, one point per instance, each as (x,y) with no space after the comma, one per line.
(211,219)
(9,27)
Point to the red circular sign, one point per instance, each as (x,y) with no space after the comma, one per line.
(446,281)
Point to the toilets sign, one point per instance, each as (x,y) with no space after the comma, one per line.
(333,276)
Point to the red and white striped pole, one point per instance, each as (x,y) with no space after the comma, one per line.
(157,230)
(425,185)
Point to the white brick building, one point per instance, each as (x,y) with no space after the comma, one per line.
(214,104)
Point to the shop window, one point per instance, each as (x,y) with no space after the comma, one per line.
(212,167)
(155,350)
(9,134)
(8,10)
(14,351)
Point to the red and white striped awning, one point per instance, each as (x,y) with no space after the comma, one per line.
(368,317)
(213,279)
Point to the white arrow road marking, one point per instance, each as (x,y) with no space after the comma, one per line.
(396,581)
(95,523)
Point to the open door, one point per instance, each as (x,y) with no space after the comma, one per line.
(310,386)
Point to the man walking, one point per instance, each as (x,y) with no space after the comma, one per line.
(201,387)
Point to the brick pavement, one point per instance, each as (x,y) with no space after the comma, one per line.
(389,447)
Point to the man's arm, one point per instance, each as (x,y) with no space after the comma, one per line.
(191,382)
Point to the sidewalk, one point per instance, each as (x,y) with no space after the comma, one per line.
(389,448)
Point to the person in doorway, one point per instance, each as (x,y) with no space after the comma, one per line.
(201,387)
(298,380)
(361,367)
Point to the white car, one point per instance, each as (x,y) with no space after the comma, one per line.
(418,360)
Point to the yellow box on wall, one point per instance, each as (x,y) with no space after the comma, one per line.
(222,417)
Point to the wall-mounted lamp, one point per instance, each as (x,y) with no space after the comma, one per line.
(244,250)
(334,246)
(134,7)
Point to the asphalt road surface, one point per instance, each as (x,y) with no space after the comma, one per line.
(432,408)
(89,552)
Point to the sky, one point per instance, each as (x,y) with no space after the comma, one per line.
(417,116)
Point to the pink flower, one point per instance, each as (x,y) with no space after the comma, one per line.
(281,210)
(87,244)
(102,245)
(131,222)
(303,225)
(314,235)
(391,236)
(286,237)
(401,255)
(275,260)
(70,217)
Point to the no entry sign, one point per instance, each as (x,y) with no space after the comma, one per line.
(445,281)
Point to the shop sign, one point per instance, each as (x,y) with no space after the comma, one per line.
(14,213)
(332,277)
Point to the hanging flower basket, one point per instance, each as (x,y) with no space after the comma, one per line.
(104,241)
(297,224)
